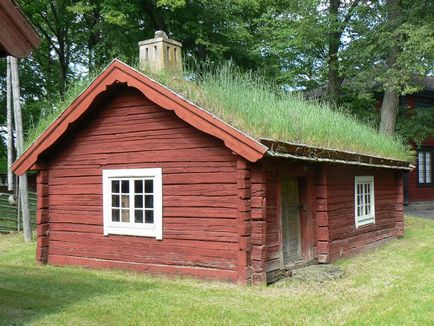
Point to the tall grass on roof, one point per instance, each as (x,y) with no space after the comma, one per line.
(262,110)
(55,105)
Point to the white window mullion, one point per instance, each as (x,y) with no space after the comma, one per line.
(364,200)
(421,167)
(131,194)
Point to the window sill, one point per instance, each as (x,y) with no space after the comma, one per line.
(144,231)
(366,222)
(425,185)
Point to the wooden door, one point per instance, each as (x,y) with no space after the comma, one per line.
(290,227)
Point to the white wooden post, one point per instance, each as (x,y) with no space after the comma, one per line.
(23,188)
(10,143)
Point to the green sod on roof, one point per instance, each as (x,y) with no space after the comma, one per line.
(261,110)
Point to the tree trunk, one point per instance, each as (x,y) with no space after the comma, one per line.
(150,7)
(333,83)
(389,107)
(23,194)
(10,143)
(389,111)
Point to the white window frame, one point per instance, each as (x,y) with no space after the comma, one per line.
(424,167)
(130,228)
(365,218)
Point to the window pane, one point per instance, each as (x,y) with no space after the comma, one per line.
(364,200)
(125,201)
(149,186)
(149,216)
(115,215)
(138,218)
(125,186)
(138,186)
(115,186)
(428,172)
(421,167)
(115,201)
(125,215)
(138,201)
(149,201)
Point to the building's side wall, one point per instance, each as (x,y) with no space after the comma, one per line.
(416,192)
(345,239)
(272,224)
(42,217)
(259,223)
(274,171)
(202,194)
(328,223)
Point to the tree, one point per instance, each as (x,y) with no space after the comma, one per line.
(56,24)
(302,45)
(338,23)
(393,54)
(389,107)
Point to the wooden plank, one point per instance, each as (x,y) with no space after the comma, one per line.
(201,272)
(95,239)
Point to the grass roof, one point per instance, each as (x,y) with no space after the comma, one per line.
(261,110)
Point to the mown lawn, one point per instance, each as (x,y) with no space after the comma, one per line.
(393,285)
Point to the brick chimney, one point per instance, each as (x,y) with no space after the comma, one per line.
(160,53)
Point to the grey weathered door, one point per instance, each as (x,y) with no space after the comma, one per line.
(291,242)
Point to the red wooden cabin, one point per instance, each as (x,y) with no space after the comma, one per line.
(134,176)
(419,184)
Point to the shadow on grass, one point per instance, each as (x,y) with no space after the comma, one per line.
(30,292)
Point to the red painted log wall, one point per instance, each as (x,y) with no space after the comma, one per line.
(331,193)
(202,193)
(345,238)
(258,223)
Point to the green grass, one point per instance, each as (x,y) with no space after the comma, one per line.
(54,106)
(393,285)
(261,110)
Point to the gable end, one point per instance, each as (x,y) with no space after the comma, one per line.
(118,72)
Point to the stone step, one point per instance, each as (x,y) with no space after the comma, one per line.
(317,273)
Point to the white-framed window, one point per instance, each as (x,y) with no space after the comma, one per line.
(132,200)
(424,167)
(364,200)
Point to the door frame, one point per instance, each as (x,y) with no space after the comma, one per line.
(280,223)
(306,184)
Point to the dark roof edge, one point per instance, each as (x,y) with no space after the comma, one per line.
(37,42)
(315,154)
